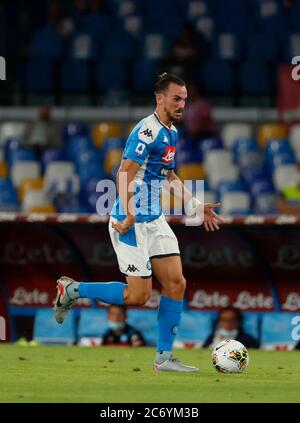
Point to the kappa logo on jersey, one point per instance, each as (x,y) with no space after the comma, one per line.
(165,140)
(147,132)
(169,154)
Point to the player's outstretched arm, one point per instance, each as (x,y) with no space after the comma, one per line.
(210,218)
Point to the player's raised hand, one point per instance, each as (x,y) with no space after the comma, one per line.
(125,225)
(211,219)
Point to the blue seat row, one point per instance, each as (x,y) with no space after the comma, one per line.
(77,76)
(273,329)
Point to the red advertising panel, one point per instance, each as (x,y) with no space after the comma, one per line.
(237,265)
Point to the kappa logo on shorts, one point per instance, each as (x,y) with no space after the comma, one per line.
(131,268)
(169,154)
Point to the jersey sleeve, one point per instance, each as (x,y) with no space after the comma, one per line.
(139,145)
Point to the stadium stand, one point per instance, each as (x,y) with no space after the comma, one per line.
(248,167)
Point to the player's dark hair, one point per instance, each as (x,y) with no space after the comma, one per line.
(164,80)
(235,310)
(121,306)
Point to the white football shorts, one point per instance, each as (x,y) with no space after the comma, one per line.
(141,243)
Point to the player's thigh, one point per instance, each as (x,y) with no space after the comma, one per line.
(138,290)
(168,271)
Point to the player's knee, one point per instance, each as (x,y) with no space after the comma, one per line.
(177,285)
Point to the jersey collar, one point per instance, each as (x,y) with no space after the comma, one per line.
(157,117)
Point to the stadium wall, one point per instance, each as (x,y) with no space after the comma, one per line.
(252,263)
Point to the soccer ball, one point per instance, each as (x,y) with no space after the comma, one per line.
(230,356)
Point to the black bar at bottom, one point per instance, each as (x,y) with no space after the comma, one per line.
(119,412)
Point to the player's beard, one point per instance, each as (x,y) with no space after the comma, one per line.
(172,117)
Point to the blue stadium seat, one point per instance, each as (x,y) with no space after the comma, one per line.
(119,45)
(153,46)
(52,154)
(195,327)
(276,25)
(261,186)
(92,323)
(74,76)
(265,204)
(91,170)
(85,157)
(212,81)
(72,129)
(110,74)
(277,153)
(143,75)
(77,145)
(284,158)
(274,147)
(88,195)
(188,154)
(39,76)
(113,143)
(146,322)
(156,22)
(254,173)
(8,196)
(261,47)
(192,9)
(226,46)
(227,186)
(251,324)
(276,330)
(236,22)
(47,331)
(244,146)
(97,24)
(237,6)
(254,78)
(295,16)
(20,154)
(47,43)
(82,46)
(208,144)
(10,145)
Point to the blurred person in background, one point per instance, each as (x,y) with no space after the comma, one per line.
(119,332)
(187,52)
(230,326)
(198,120)
(43,133)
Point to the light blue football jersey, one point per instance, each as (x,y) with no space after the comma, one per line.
(152,145)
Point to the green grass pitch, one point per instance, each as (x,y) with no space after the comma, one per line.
(78,374)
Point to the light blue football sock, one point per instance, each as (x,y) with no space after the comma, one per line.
(108,292)
(168,319)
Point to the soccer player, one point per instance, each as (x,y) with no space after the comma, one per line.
(141,237)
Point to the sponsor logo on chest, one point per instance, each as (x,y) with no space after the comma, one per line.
(169,155)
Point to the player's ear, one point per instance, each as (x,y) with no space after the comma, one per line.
(158,97)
